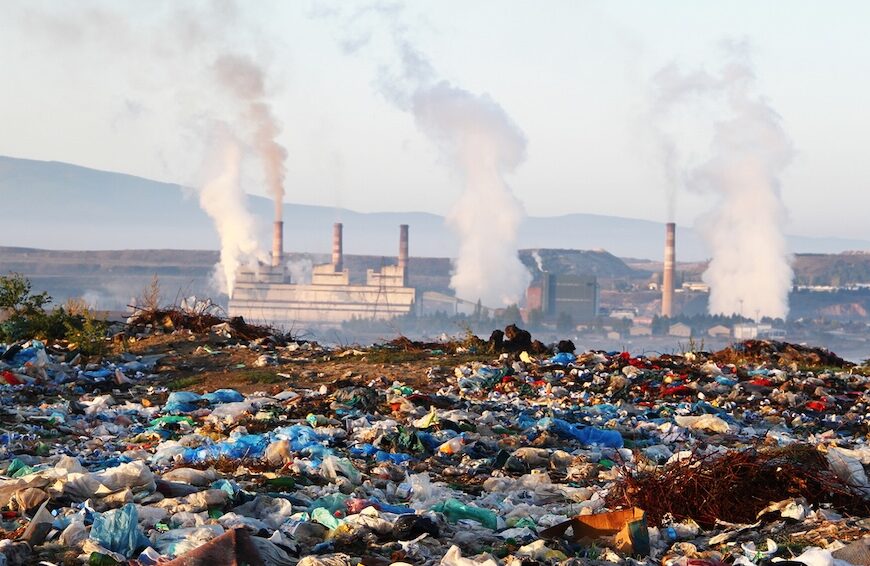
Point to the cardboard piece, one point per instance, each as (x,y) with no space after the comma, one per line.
(627,527)
(233,548)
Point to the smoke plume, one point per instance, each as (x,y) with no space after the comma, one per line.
(188,46)
(481,144)
(537,257)
(223,199)
(750,272)
(243,78)
(301,270)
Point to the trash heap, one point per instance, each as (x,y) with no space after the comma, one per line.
(493,454)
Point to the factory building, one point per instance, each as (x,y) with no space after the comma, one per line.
(572,295)
(266,295)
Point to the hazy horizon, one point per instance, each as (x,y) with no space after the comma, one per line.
(575,78)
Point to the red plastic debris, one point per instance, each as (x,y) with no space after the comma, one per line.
(10,378)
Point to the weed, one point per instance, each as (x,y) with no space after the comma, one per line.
(263,377)
(180,383)
(89,334)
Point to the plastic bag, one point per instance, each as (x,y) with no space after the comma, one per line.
(710,423)
(75,534)
(223,396)
(332,467)
(191,476)
(180,541)
(118,530)
(563,359)
(230,413)
(586,435)
(848,469)
(454,558)
(181,402)
(455,510)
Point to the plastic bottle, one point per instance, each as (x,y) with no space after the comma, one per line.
(452,446)
(455,510)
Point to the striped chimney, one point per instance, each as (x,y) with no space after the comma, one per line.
(668,275)
(337,254)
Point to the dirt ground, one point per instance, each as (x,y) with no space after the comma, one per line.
(205,363)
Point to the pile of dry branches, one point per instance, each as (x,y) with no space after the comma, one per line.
(735,486)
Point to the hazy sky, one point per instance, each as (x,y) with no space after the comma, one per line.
(123,87)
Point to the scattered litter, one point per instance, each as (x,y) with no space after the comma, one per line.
(527,454)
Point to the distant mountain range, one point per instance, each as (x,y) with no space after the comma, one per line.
(54,205)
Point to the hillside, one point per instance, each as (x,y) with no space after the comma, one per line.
(112,278)
(835,270)
(68,207)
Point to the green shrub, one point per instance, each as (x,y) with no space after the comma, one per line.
(88,333)
(27,317)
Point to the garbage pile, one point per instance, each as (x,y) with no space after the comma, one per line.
(486,454)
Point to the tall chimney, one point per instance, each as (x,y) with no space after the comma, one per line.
(278,244)
(337,255)
(668,275)
(403,251)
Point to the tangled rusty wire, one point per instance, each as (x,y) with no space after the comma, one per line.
(735,486)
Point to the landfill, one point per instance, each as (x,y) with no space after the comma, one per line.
(460,452)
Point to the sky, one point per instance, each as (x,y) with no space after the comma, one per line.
(123,86)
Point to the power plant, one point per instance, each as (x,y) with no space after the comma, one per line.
(267,294)
(668,271)
(573,296)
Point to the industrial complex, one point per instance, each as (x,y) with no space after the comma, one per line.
(268,294)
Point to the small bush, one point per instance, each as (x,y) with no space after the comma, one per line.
(27,317)
(24,310)
(88,333)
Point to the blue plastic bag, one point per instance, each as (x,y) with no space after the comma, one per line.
(563,358)
(722,380)
(245,446)
(381,456)
(181,402)
(300,436)
(118,530)
(585,435)
(363,450)
(223,396)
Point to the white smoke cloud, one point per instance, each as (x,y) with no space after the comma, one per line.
(537,257)
(750,270)
(223,199)
(192,47)
(481,144)
(300,270)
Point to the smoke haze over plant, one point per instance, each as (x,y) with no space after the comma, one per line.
(244,78)
(478,141)
(749,272)
(223,199)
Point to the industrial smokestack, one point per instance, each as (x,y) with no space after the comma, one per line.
(403,250)
(668,275)
(278,244)
(337,255)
